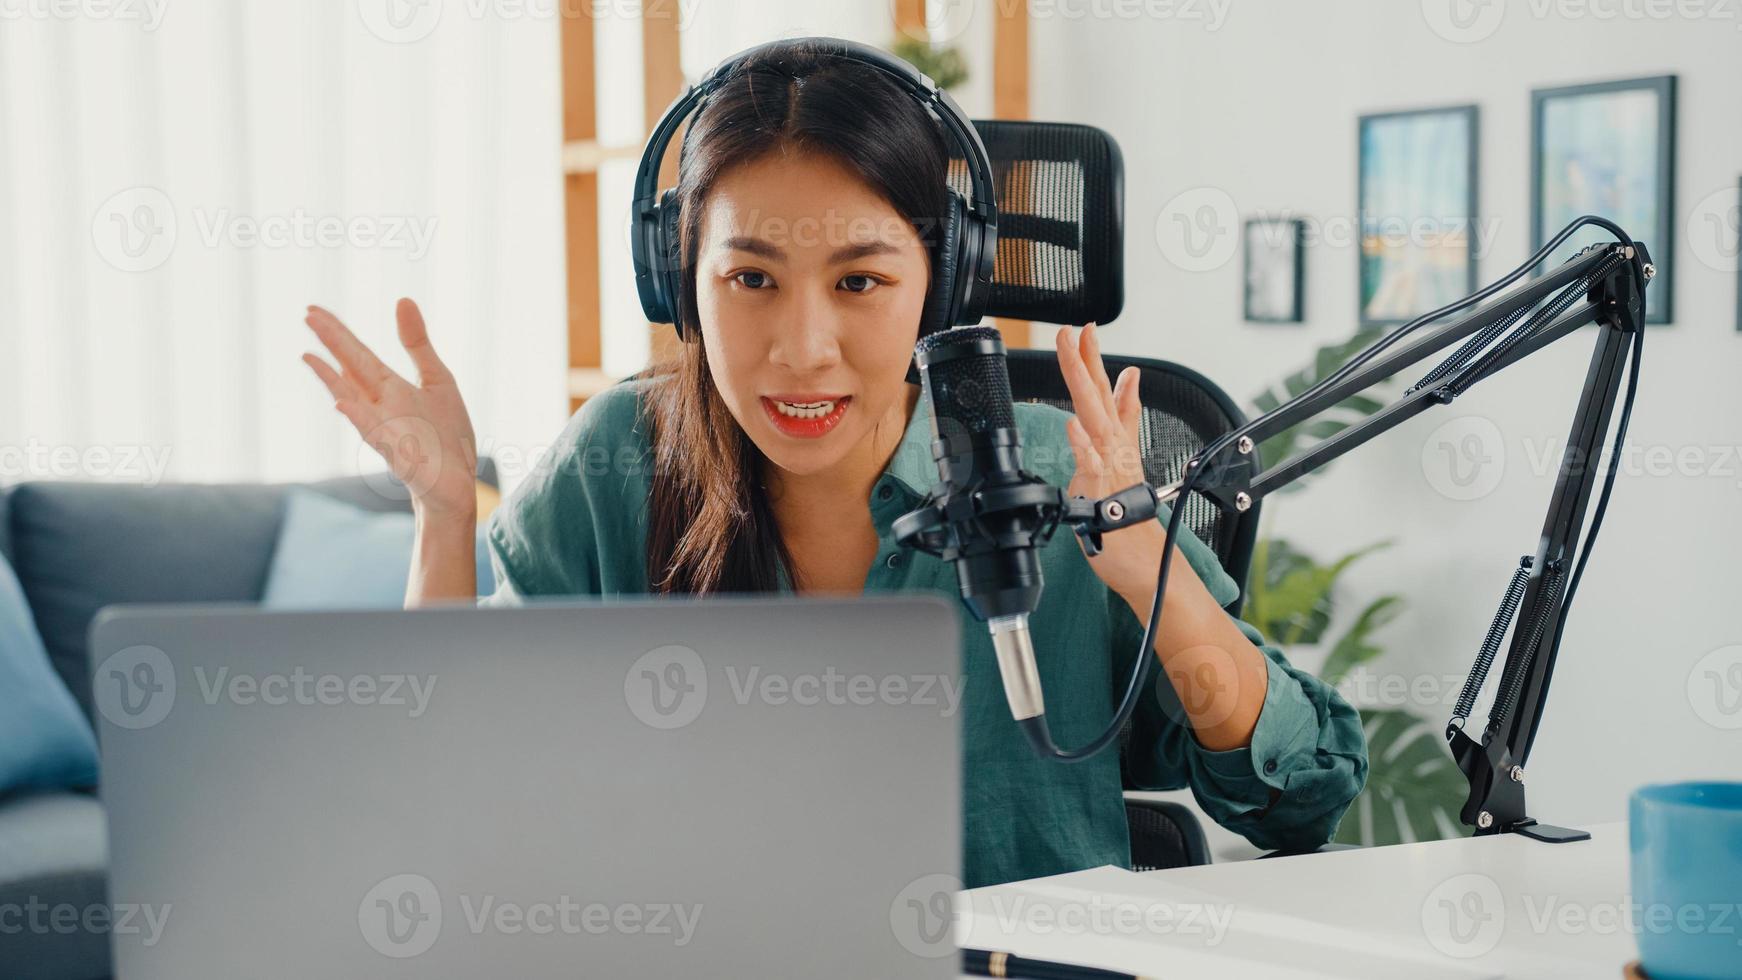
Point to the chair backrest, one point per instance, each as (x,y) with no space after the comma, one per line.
(1182,412)
(1061,214)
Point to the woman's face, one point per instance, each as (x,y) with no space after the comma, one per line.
(810,286)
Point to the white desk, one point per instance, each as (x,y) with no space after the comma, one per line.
(1500,906)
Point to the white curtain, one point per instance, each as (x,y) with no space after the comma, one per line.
(179,180)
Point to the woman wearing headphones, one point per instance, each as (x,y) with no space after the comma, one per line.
(772,453)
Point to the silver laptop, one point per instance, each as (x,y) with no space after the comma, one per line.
(655,788)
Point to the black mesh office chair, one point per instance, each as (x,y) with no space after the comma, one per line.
(1061,260)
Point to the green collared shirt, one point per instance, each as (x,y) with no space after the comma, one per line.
(578,527)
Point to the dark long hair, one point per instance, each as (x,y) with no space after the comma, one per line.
(710,526)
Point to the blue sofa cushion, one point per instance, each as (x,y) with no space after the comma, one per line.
(332,555)
(45,742)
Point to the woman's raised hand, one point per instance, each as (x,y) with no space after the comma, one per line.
(1105,438)
(422,430)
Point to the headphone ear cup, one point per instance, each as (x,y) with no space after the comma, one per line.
(941,301)
(669,255)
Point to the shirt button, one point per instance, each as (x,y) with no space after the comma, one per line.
(885,492)
(1270,767)
(894,560)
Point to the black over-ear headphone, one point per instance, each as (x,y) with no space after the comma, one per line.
(967,236)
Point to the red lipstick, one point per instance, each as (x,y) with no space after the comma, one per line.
(808,415)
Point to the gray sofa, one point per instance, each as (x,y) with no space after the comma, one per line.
(77,547)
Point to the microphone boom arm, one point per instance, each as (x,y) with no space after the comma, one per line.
(1610,276)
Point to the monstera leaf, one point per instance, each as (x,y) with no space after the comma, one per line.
(1355,647)
(1290,596)
(1414,789)
(1327,423)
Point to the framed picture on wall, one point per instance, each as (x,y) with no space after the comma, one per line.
(1607,149)
(1273,282)
(1416,211)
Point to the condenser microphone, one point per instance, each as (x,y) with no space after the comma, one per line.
(989,517)
(987,514)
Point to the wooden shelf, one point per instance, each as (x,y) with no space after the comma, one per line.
(1010,101)
(582,156)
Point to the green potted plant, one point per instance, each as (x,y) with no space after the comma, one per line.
(943,65)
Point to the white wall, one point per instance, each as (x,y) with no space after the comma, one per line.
(1259,100)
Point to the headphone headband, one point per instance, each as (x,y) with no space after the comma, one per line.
(936,100)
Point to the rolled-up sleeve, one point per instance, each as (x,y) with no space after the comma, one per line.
(1306,763)
(1307,759)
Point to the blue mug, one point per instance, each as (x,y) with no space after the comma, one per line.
(1686,846)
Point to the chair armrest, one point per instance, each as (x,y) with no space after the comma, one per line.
(1164,834)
